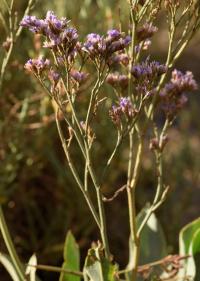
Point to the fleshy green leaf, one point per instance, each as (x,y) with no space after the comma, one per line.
(71,258)
(186,235)
(8,265)
(189,243)
(152,242)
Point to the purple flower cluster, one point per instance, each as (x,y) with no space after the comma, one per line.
(117,80)
(148,70)
(119,58)
(98,46)
(45,26)
(143,46)
(125,107)
(58,35)
(78,76)
(54,76)
(146,31)
(37,66)
(173,94)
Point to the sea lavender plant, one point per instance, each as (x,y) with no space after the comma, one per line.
(141,94)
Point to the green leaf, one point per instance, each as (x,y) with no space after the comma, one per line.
(153,244)
(71,258)
(189,243)
(193,262)
(8,265)
(98,268)
(31,269)
(186,234)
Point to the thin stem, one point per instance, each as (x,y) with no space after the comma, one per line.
(103,228)
(131,201)
(9,244)
(160,195)
(74,171)
(168,63)
(95,91)
(3,22)
(137,167)
(118,142)
(6,4)
(144,9)
(56,269)
(5,63)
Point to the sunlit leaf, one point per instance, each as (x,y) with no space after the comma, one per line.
(31,268)
(189,244)
(71,258)
(8,265)
(152,242)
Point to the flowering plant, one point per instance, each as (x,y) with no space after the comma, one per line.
(142,94)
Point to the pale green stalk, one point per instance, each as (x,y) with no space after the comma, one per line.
(131,202)
(160,195)
(10,246)
(134,242)
(103,228)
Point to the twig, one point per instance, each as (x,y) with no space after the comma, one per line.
(115,194)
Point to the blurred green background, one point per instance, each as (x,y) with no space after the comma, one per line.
(41,200)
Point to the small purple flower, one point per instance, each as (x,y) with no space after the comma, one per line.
(78,76)
(55,24)
(184,82)
(37,65)
(127,40)
(104,47)
(71,34)
(173,96)
(115,114)
(148,70)
(58,35)
(125,103)
(125,107)
(113,34)
(54,76)
(119,58)
(112,79)
(179,83)
(94,38)
(123,81)
(34,24)
(117,80)
(146,31)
